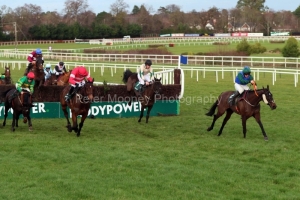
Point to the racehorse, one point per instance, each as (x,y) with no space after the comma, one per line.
(247,106)
(64,78)
(38,70)
(20,105)
(79,104)
(7,79)
(147,99)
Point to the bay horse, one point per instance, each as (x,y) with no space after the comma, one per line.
(20,105)
(79,104)
(64,78)
(247,106)
(38,70)
(148,97)
(7,79)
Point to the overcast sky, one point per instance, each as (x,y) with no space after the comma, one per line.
(98,6)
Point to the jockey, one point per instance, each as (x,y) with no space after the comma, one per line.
(59,69)
(145,76)
(77,80)
(47,71)
(25,82)
(32,59)
(243,78)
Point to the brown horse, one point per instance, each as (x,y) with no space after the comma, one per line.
(147,100)
(64,78)
(7,79)
(79,104)
(247,106)
(38,70)
(20,105)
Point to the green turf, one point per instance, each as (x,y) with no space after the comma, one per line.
(168,158)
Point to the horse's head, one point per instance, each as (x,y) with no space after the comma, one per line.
(7,72)
(88,88)
(39,65)
(268,98)
(157,86)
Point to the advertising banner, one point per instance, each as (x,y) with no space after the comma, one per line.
(101,109)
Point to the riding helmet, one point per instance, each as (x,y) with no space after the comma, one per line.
(246,70)
(30,75)
(48,66)
(61,63)
(82,71)
(148,62)
(38,51)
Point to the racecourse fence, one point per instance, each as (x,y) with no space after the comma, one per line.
(193,60)
(166,72)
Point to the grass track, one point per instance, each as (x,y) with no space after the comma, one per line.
(168,158)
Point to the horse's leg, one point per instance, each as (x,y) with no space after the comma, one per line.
(142,113)
(29,123)
(5,113)
(216,116)
(13,121)
(227,117)
(257,118)
(130,100)
(81,123)
(148,113)
(74,120)
(64,108)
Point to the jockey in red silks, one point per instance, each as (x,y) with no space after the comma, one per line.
(31,58)
(77,80)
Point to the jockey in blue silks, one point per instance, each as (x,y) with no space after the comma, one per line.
(242,80)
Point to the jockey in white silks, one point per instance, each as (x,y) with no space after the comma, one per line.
(145,76)
(47,71)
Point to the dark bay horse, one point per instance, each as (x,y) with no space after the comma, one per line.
(20,105)
(247,106)
(38,70)
(147,99)
(79,104)
(7,79)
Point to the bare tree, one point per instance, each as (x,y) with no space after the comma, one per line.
(75,7)
(118,7)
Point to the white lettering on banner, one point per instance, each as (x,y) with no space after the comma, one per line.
(113,109)
(39,108)
(2,110)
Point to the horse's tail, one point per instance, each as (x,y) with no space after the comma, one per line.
(211,112)
(126,75)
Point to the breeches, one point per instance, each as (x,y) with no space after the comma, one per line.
(241,88)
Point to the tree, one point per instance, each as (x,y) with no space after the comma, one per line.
(291,48)
(75,7)
(253,4)
(135,10)
(297,12)
(118,7)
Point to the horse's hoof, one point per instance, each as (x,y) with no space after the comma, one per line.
(266,138)
(24,121)
(139,120)
(30,128)
(209,129)
(78,134)
(129,103)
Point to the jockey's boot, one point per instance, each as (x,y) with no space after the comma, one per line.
(68,96)
(231,99)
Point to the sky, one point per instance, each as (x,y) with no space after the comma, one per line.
(98,6)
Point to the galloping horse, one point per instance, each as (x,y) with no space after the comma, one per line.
(247,106)
(62,79)
(38,70)
(20,105)
(147,100)
(7,79)
(79,104)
